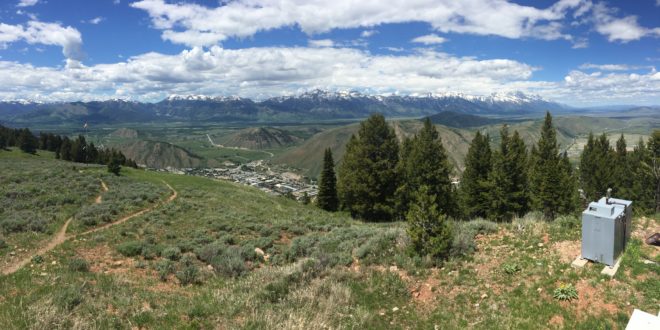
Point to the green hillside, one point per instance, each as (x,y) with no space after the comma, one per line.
(186,257)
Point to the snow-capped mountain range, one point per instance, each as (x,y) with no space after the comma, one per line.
(309,106)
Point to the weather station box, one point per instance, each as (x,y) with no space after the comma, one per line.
(606,226)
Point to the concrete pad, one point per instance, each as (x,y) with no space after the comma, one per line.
(611,271)
(579,262)
(640,320)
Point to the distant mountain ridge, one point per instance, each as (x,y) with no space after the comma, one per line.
(313,105)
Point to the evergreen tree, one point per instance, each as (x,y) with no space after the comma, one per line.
(428,228)
(508,179)
(3,142)
(547,174)
(570,199)
(643,187)
(65,150)
(79,150)
(596,163)
(474,189)
(424,162)
(654,165)
(622,180)
(114,165)
(92,154)
(367,175)
(27,142)
(327,198)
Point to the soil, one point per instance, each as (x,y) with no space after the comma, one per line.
(557,321)
(567,250)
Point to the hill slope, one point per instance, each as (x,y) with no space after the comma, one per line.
(156,154)
(194,263)
(259,138)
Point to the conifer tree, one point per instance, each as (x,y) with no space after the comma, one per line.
(27,142)
(65,150)
(622,179)
(570,199)
(367,175)
(643,188)
(327,197)
(474,189)
(654,165)
(114,165)
(428,228)
(3,142)
(546,182)
(508,179)
(79,150)
(424,162)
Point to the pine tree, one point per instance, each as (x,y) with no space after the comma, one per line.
(654,165)
(3,142)
(65,150)
(474,189)
(367,175)
(508,179)
(114,165)
(27,142)
(79,150)
(546,183)
(643,188)
(596,167)
(424,162)
(428,228)
(327,198)
(570,199)
(92,154)
(622,180)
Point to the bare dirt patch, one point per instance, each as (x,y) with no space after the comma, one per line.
(567,250)
(591,300)
(557,321)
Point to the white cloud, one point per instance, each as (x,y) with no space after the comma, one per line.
(197,25)
(321,43)
(35,32)
(608,67)
(116,2)
(27,3)
(429,39)
(619,29)
(96,20)
(369,33)
(273,71)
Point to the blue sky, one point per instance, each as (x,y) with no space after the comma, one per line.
(579,52)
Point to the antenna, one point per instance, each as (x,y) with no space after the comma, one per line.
(609,192)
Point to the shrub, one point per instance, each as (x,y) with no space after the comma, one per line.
(188,275)
(3,244)
(172,253)
(565,292)
(230,263)
(149,251)
(511,268)
(69,297)
(164,268)
(131,248)
(463,243)
(208,252)
(37,259)
(78,265)
(481,226)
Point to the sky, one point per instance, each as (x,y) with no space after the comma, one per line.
(577,52)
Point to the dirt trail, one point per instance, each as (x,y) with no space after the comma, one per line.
(99,198)
(61,236)
(133,215)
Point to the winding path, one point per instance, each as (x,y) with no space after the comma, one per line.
(60,237)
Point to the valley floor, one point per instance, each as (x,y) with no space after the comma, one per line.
(222,256)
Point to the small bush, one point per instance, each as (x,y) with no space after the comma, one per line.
(78,265)
(3,244)
(172,253)
(565,292)
(69,297)
(149,252)
(463,243)
(511,268)
(481,226)
(188,275)
(130,249)
(164,268)
(37,259)
(230,263)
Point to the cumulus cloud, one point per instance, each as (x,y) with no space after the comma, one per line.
(196,25)
(429,39)
(36,32)
(623,29)
(27,3)
(608,67)
(369,33)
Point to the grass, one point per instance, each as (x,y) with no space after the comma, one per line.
(192,264)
